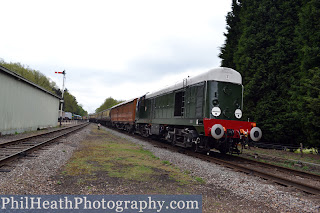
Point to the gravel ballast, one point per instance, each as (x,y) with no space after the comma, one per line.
(242,185)
(33,175)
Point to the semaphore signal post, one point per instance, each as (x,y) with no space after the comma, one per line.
(61,101)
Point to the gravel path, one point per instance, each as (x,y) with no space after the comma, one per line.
(245,186)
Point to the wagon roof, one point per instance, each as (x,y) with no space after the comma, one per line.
(122,103)
(218,74)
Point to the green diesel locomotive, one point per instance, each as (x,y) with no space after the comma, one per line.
(201,112)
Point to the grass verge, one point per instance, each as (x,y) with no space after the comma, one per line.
(104,157)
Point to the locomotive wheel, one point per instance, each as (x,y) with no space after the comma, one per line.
(223,147)
(201,146)
(145,133)
(169,138)
(195,147)
(173,141)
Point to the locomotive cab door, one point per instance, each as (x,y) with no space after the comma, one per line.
(179,103)
(152,110)
(194,101)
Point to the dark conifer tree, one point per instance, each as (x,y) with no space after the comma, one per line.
(266,56)
(308,89)
(232,36)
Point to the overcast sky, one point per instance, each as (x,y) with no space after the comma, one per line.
(117,48)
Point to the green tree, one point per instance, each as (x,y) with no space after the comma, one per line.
(108,103)
(232,37)
(308,90)
(266,58)
(71,104)
(265,53)
(81,111)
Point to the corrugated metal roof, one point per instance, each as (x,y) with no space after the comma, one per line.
(20,78)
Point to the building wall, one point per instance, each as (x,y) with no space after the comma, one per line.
(25,107)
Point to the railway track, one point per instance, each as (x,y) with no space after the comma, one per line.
(277,168)
(307,182)
(304,181)
(300,180)
(22,147)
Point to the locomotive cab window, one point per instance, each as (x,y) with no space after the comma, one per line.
(140,104)
(179,103)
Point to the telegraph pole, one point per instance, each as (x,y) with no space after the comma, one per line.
(61,101)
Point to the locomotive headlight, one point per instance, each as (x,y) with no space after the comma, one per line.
(216,111)
(238,113)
